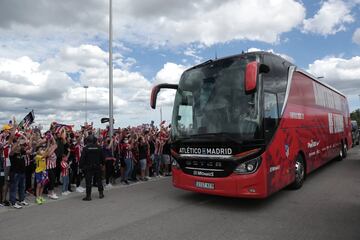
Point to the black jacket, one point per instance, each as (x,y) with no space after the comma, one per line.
(92,157)
(1,164)
(143,151)
(17,162)
(60,149)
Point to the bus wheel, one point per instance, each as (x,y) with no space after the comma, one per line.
(299,173)
(343,152)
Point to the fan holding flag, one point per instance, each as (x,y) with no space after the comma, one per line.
(27,121)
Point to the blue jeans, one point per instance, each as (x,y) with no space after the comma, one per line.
(157,161)
(17,185)
(143,164)
(129,168)
(65,182)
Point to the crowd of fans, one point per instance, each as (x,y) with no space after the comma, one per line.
(35,162)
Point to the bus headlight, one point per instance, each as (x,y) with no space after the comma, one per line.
(175,164)
(248,167)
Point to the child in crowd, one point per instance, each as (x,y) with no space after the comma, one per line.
(41,176)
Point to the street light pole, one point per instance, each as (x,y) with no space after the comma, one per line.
(111,107)
(86,87)
(161,115)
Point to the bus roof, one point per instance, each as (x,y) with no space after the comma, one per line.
(262,53)
(317,80)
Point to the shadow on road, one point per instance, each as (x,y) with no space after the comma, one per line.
(248,205)
(231,203)
(351,162)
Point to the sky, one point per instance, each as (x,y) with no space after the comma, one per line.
(50,49)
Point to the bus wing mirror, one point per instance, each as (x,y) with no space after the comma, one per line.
(251,76)
(253,69)
(155,91)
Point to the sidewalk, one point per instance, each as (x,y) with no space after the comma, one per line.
(31,198)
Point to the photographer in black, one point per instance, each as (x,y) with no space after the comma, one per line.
(91,162)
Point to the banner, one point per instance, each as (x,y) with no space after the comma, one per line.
(87,127)
(58,128)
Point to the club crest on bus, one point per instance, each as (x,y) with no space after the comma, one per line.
(287,150)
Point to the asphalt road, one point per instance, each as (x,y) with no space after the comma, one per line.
(327,207)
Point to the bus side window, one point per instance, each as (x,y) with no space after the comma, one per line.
(185,117)
(276,80)
(271,112)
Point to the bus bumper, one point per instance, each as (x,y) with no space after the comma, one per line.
(242,186)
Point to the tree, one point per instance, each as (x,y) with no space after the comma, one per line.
(355,115)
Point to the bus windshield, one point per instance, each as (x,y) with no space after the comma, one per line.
(211,100)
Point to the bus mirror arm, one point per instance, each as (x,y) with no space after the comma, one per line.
(264,68)
(155,91)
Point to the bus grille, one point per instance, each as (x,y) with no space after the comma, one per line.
(208,168)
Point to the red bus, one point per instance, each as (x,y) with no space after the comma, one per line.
(251,124)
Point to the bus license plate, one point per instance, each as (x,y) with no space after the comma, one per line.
(205,185)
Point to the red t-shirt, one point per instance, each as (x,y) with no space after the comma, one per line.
(126,150)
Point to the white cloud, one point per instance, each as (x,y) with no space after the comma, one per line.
(24,78)
(330,19)
(72,59)
(47,88)
(209,21)
(58,13)
(170,73)
(343,74)
(194,53)
(356,36)
(156,22)
(92,64)
(99,77)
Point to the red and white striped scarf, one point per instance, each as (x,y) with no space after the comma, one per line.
(7,149)
(64,168)
(51,161)
(78,150)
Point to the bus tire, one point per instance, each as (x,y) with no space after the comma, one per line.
(299,173)
(343,152)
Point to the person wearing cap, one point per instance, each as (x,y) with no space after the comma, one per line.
(91,162)
(7,141)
